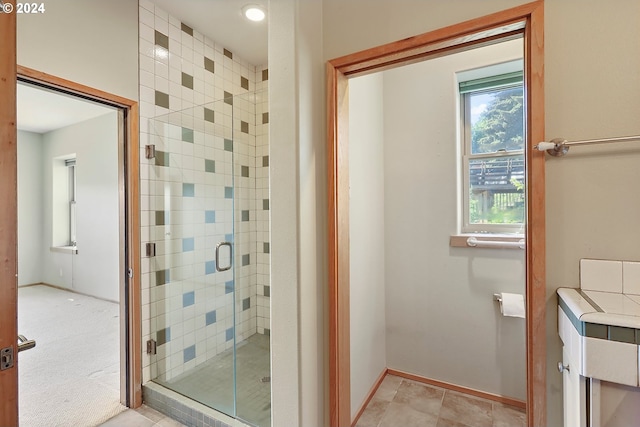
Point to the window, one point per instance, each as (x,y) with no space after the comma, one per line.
(493,154)
(71,169)
(64,192)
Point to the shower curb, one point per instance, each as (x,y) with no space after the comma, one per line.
(184,410)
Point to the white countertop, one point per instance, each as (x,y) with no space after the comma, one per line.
(616,309)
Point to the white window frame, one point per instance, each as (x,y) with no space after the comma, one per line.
(466,157)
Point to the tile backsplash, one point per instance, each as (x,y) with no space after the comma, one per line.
(610,276)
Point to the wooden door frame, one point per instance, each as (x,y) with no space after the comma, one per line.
(8,214)
(129,183)
(526,20)
(129,178)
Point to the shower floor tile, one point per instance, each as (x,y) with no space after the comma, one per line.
(211,383)
(399,401)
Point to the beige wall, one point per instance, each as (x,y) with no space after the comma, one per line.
(439,299)
(366,236)
(591,83)
(91,42)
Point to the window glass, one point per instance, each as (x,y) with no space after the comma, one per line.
(493,155)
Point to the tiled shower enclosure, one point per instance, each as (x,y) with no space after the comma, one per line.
(204,186)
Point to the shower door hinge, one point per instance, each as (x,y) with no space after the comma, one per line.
(151,249)
(151,347)
(150,151)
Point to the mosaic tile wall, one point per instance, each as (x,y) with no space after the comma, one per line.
(206,112)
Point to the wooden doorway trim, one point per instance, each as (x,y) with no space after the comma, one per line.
(8,215)
(523,21)
(129,173)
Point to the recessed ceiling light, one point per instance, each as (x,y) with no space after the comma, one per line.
(253,12)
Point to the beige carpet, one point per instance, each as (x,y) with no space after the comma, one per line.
(71,377)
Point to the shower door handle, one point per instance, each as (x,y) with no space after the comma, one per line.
(218,246)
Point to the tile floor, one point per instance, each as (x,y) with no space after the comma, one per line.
(211,383)
(141,417)
(402,402)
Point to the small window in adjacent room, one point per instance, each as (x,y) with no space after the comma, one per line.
(493,169)
(64,194)
(71,169)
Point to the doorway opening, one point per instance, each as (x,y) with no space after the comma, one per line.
(524,22)
(78,251)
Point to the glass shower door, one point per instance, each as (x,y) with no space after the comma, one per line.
(209,269)
(193,220)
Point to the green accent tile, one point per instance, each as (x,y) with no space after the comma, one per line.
(265,161)
(228,145)
(267,291)
(163,336)
(267,332)
(209,115)
(227,53)
(638,336)
(160,218)
(246,259)
(228,98)
(265,204)
(187,135)
(244,83)
(246,304)
(244,127)
(161,39)
(266,247)
(162,158)
(162,99)
(187,81)
(572,317)
(209,65)
(245,215)
(594,330)
(620,334)
(187,29)
(162,277)
(265,74)
(265,118)
(209,165)
(244,171)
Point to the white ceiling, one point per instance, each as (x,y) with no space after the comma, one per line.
(41,111)
(222,22)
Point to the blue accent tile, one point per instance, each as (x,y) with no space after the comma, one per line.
(188,190)
(228,237)
(188,299)
(229,334)
(209,267)
(209,217)
(211,317)
(228,287)
(228,192)
(189,353)
(188,244)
